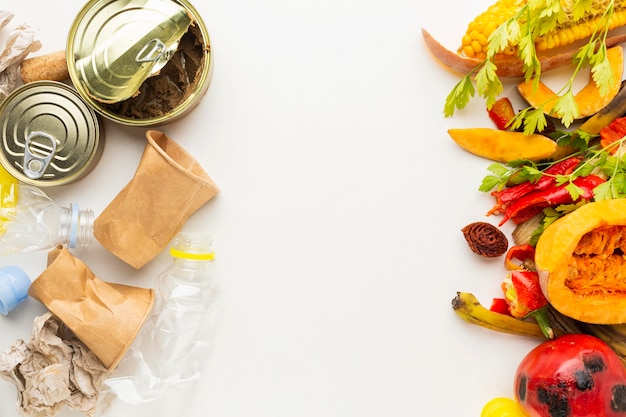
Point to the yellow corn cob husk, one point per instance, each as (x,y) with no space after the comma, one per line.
(475,41)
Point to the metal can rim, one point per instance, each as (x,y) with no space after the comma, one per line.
(176,113)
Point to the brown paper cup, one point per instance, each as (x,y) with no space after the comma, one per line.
(106,317)
(168,187)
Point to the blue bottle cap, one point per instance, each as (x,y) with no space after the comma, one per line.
(14,284)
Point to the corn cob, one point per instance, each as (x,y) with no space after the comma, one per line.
(475,41)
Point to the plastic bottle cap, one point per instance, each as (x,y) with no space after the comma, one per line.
(176,253)
(14,284)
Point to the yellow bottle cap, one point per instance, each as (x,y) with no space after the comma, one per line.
(193,256)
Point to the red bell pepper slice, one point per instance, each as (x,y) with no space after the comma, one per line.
(500,305)
(506,196)
(502,113)
(533,203)
(614,132)
(523,253)
(525,299)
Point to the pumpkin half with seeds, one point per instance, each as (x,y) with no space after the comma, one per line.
(581,260)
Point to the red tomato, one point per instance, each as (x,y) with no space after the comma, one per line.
(573,375)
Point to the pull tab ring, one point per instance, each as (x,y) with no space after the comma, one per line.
(153,51)
(35,165)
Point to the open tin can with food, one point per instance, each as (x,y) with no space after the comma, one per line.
(140,62)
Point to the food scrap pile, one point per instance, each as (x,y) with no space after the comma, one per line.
(557,173)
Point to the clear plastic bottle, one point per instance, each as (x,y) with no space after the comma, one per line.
(157,375)
(30,220)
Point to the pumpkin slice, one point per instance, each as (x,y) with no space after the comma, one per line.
(589,99)
(581,260)
(503,145)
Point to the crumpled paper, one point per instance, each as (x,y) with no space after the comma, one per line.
(53,370)
(21,42)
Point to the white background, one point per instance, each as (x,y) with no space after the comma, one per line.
(338,227)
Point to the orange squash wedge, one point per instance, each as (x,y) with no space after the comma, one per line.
(503,145)
(589,99)
(581,263)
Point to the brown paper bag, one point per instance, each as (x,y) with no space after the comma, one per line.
(168,186)
(106,317)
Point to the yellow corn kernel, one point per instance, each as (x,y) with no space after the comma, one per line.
(468,51)
(477,47)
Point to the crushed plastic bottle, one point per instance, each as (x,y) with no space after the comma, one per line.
(157,375)
(30,220)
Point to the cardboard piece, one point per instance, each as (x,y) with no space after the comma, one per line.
(105,316)
(169,185)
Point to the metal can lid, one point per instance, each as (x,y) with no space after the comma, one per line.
(49,135)
(114,46)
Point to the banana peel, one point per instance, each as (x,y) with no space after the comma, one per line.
(468,308)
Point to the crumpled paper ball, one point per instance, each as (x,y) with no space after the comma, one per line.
(53,370)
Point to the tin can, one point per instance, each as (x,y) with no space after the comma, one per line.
(140,62)
(49,135)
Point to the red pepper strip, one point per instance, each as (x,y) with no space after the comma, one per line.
(525,298)
(529,205)
(499,305)
(522,253)
(507,195)
(614,132)
(501,113)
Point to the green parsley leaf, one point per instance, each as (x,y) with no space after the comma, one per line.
(602,75)
(534,120)
(574,190)
(459,96)
(566,108)
(490,182)
(603,191)
(488,84)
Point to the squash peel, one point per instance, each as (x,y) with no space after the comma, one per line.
(589,99)
(581,261)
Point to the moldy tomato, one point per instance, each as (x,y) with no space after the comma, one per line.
(573,375)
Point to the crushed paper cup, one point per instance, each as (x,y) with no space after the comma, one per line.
(169,185)
(105,316)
